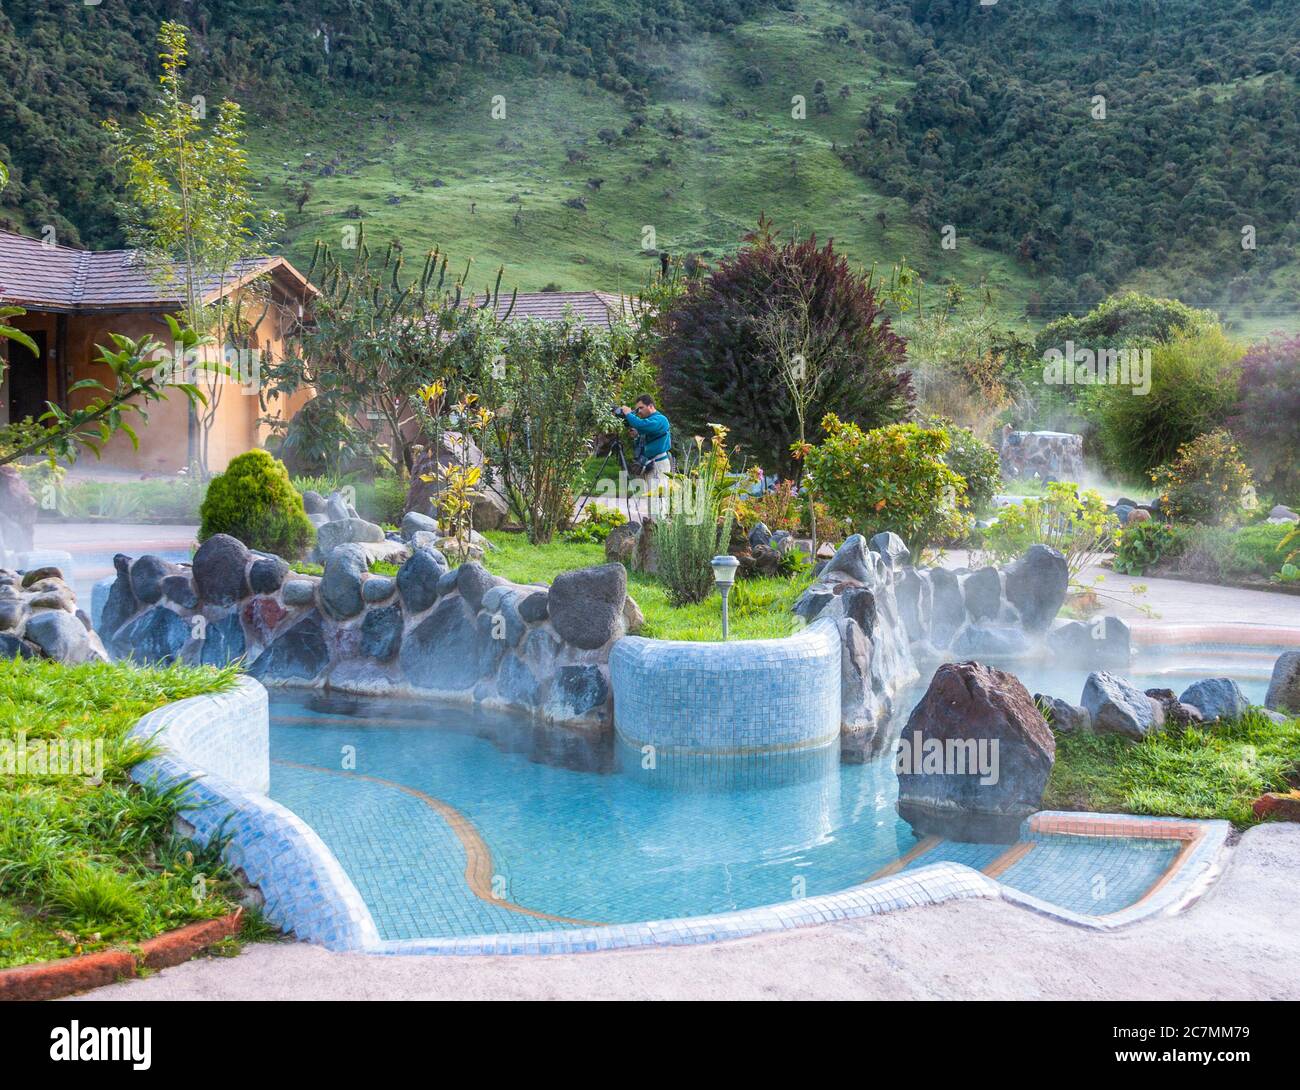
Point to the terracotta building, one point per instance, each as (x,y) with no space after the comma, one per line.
(75,299)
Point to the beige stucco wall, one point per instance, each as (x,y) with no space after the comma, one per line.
(164,438)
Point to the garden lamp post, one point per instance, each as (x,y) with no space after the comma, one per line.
(724,574)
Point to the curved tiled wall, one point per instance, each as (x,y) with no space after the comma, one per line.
(218,745)
(748,696)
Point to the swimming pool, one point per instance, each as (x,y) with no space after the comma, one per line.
(456,822)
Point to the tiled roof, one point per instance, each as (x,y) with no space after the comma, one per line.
(591,308)
(46,277)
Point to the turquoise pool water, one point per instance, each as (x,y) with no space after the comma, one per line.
(453,822)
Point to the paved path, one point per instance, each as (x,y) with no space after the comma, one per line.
(1239,942)
(98,537)
(1175,601)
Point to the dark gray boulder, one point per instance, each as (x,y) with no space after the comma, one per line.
(447,582)
(441,652)
(1036,586)
(811,602)
(852,560)
(892,550)
(533,608)
(860,606)
(378,588)
(11,647)
(1063,716)
(120,607)
(1118,707)
(148,575)
(1284,686)
(179,589)
(300,652)
(1101,642)
(413,523)
(994,641)
(299,592)
(947,606)
(156,636)
(516,683)
(586,606)
(223,642)
(1216,698)
(576,692)
(760,535)
(974,757)
(313,503)
(982,592)
(381,633)
(1176,712)
(11,613)
(267,574)
(473,581)
(340,586)
(220,567)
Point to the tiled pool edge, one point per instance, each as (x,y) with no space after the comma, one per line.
(307,892)
(305,889)
(936,883)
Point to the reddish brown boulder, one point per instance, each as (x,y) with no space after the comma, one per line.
(975,756)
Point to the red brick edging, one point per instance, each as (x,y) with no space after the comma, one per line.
(54,979)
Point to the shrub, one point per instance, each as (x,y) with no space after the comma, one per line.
(1194,381)
(1267,416)
(1077,524)
(973,460)
(1123,321)
(255,501)
(547,403)
(595,524)
(1206,482)
(892,478)
(1143,545)
(729,339)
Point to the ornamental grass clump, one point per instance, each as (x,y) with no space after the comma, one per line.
(696,527)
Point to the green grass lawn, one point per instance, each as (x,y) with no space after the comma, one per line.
(1209,772)
(760,608)
(86,866)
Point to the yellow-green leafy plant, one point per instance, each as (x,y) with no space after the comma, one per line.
(891,478)
(1075,523)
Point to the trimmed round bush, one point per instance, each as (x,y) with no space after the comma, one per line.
(254,501)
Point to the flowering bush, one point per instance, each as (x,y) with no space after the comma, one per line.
(1207,481)
(892,478)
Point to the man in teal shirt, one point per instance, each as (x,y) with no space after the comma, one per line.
(654,440)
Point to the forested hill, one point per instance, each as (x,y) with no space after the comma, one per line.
(922,114)
(66,65)
(1003,135)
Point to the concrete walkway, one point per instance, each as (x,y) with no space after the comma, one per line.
(1239,942)
(1175,601)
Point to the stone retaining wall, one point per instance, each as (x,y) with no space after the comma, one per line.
(460,634)
(1048,455)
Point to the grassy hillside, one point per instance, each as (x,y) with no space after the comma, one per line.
(715,153)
